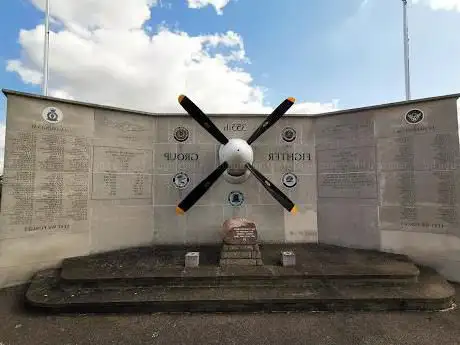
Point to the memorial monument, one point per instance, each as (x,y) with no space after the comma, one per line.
(86,184)
(240,243)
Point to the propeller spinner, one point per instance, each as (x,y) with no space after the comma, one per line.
(235,155)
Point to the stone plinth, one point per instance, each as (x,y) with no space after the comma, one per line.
(241,255)
(192,259)
(288,258)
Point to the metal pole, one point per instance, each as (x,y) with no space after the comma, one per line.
(46,49)
(406,50)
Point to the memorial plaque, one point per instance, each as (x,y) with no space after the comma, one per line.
(121,173)
(241,235)
(76,154)
(349,185)
(344,160)
(18,197)
(434,219)
(46,181)
(128,127)
(344,130)
(417,188)
(46,151)
(119,159)
(434,151)
(112,185)
(20,151)
(239,231)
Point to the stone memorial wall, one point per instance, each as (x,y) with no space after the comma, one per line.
(82,178)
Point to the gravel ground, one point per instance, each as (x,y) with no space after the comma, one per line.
(17,327)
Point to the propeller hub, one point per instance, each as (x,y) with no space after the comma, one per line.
(237,152)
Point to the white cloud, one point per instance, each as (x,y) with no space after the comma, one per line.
(313,108)
(112,60)
(448,5)
(218,4)
(28,75)
(88,14)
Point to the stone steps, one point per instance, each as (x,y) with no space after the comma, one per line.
(430,293)
(189,278)
(155,279)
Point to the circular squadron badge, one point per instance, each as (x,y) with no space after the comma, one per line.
(235,198)
(414,116)
(52,115)
(181,134)
(288,134)
(289,180)
(181,180)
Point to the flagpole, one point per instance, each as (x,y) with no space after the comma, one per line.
(46,49)
(406,50)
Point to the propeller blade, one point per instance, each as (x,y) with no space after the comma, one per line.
(200,189)
(273,190)
(202,119)
(272,119)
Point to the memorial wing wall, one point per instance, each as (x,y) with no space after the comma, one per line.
(45,211)
(417,154)
(388,179)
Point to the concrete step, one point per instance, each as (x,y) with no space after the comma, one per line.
(215,276)
(164,266)
(430,293)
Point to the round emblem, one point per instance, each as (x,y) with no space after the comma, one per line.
(414,116)
(181,134)
(181,180)
(288,134)
(52,115)
(235,198)
(289,180)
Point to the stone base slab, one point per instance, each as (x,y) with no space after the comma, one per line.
(430,293)
(240,247)
(240,255)
(241,262)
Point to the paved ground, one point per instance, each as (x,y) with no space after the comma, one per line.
(19,328)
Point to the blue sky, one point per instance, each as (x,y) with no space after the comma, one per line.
(315,50)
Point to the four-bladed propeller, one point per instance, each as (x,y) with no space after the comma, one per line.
(206,123)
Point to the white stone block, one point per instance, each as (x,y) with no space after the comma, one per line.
(288,258)
(192,259)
